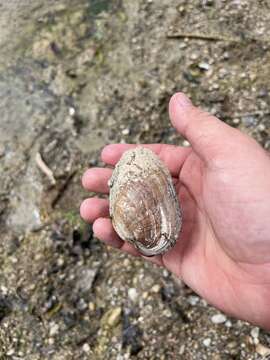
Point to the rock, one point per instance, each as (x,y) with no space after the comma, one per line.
(81,305)
(249,120)
(132,335)
(182,350)
(86,348)
(133,294)
(204,66)
(207,342)
(112,317)
(255,335)
(86,279)
(262,350)
(218,319)
(54,329)
(193,300)
(185,143)
(92,306)
(156,288)
(125,131)
(261,127)
(255,332)
(167,292)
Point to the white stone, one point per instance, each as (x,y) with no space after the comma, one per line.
(236,121)
(255,332)
(261,127)
(133,294)
(125,131)
(204,66)
(155,288)
(262,350)
(207,342)
(10,352)
(54,329)
(185,143)
(218,319)
(86,348)
(71,111)
(193,300)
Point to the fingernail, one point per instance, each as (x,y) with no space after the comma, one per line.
(183,100)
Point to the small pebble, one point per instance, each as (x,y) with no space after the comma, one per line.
(60,262)
(226,55)
(114,317)
(228,323)
(215,86)
(262,350)
(51,341)
(204,66)
(133,294)
(71,111)
(194,56)
(10,352)
(92,306)
(125,131)
(182,45)
(82,305)
(54,329)
(218,319)
(236,121)
(145,295)
(165,273)
(185,143)
(181,9)
(86,348)
(232,345)
(167,313)
(155,288)
(4,290)
(182,350)
(255,332)
(249,120)
(193,300)
(261,127)
(207,342)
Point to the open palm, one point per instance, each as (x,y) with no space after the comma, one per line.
(223,183)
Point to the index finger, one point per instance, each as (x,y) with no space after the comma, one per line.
(173,156)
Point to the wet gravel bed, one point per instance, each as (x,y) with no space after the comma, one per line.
(75,76)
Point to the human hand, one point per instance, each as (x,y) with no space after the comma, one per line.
(223,184)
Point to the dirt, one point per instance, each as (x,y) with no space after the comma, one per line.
(75,76)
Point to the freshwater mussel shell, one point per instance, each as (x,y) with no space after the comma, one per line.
(144,206)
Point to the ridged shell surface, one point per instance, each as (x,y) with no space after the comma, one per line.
(144,206)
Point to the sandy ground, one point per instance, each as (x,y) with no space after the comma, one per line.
(75,76)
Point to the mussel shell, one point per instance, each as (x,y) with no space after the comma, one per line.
(144,206)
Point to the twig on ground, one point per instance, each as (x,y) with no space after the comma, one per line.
(199,37)
(62,189)
(44,168)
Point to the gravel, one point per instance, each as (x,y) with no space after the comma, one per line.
(75,76)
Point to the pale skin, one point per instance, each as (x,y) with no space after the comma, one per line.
(223,185)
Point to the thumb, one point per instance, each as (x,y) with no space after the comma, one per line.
(206,133)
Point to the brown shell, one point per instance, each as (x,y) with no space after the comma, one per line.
(144,206)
